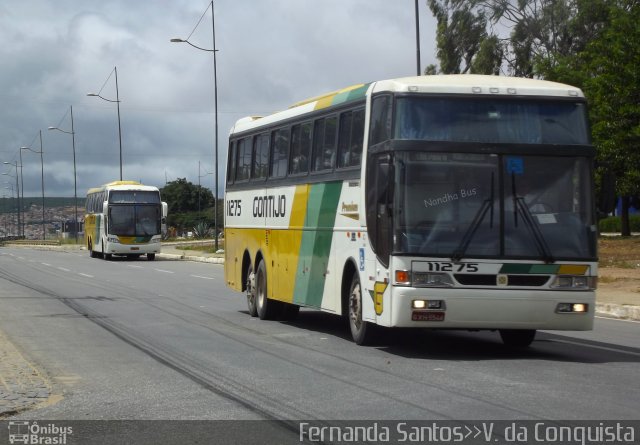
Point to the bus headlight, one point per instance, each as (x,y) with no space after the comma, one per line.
(427,304)
(429,279)
(572,308)
(578,282)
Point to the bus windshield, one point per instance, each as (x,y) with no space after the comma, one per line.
(134,220)
(487,206)
(464,119)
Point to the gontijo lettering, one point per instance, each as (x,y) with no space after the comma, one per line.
(270,206)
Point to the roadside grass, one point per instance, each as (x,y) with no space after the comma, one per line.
(618,251)
(206,246)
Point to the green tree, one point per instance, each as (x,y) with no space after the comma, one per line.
(188,204)
(460,34)
(183,196)
(608,72)
(538,33)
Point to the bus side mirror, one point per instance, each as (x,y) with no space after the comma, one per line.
(165,211)
(105,208)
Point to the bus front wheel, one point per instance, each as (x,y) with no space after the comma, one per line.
(517,338)
(106,256)
(361,330)
(151,256)
(266,308)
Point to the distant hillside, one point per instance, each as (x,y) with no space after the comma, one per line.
(8,205)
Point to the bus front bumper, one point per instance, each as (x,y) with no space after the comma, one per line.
(493,309)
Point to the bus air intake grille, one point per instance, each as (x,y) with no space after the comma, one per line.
(491,280)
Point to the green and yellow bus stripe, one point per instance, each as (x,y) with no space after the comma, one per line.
(315,248)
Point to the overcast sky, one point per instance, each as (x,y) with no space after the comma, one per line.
(271,53)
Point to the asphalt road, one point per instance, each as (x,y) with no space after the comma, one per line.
(129,339)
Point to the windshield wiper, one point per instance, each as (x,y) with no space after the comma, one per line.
(487,205)
(527,217)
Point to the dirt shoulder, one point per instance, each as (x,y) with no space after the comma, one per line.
(619,270)
(618,285)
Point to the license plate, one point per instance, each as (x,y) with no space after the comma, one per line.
(427,316)
(135,248)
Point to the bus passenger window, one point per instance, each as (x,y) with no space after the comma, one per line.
(324,144)
(300,148)
(357,138)
(279,151)
(244,160)
(351,138)
(260,156)
(344,139)
(231,169)
(380,120)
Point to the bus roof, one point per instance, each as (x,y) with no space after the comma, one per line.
(475,84)
(123,185)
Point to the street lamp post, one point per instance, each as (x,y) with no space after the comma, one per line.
(75,189)
(21,200)
(44,233)
(199,188)
(417,37)
(215,112)
(10,187)
(17,191)
(117,101)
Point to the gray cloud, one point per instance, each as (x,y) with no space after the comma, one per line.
(271,53)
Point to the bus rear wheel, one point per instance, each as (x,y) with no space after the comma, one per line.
(362,331)
(517,338)
(266,308)
(251,292)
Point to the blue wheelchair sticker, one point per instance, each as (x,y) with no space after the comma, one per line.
(515,165)
(362,258)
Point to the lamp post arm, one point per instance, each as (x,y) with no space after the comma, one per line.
(115,69)
(75,188)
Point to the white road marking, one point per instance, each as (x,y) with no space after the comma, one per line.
(163,271)
(85,275)
(204,278)
(63,269)
(135,267)
(46,264)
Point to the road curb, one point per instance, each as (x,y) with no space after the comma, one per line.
(620,311)
(200,259)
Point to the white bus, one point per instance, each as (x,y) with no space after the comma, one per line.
(457,202)
(124,218)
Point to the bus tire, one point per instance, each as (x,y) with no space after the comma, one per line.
(362,331)
(251,292)
(92,253)
(106,256)
(151,256)
(267,309)
(517,338)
